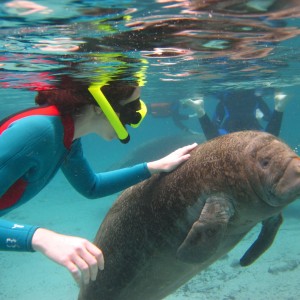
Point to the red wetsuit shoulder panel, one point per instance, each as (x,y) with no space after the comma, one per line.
(46,111)
(15,191)
(43,111)
(13,194)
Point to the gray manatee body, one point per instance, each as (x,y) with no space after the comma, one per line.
(163,231)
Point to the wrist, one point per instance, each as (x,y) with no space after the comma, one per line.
(153,167)
(38,239)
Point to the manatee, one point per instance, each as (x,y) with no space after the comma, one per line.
(163,231)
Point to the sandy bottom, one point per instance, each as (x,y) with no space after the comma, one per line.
(29,276)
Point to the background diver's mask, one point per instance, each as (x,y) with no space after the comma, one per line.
(131,113)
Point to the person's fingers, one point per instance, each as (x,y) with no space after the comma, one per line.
(192,146)
(185,157)
(89,261)
(97,253)
(75,272)
(186,149)
(94,270)
(92,263)
(84,267)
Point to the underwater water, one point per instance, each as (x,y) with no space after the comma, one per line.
(182,49)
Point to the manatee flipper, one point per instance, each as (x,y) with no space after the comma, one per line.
(265,239)
(207,232)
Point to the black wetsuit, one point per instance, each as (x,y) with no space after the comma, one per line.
(236,111)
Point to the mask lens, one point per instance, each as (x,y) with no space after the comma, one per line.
(134,105)
(130,118)
(129,112)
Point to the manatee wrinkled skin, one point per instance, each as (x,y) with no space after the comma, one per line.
(163,231)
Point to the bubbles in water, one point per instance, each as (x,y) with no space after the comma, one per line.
(296,149)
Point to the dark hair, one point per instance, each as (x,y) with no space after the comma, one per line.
(70,96)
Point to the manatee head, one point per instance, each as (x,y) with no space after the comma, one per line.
(274,170)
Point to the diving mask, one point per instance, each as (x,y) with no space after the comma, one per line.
(131,113)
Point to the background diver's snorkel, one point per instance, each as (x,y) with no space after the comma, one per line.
(112,116)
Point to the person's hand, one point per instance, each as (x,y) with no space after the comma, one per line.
(79,256)
(171,161)
(196,105)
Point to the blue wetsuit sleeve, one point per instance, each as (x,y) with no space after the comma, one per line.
(16,237)
(96,185)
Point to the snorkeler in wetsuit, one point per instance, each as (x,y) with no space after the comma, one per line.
(36,143)
(237,111)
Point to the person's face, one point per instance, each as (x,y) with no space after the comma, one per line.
(102,126)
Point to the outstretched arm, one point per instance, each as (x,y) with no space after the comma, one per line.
(95,185)
(79,256)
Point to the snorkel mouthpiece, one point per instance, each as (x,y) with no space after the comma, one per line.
(125,141)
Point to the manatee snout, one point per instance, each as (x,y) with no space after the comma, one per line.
(288,187)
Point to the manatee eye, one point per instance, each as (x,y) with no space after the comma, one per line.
(265,162)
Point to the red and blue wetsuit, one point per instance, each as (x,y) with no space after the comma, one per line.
(34,145)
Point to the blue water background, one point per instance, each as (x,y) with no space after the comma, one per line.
(58,207)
